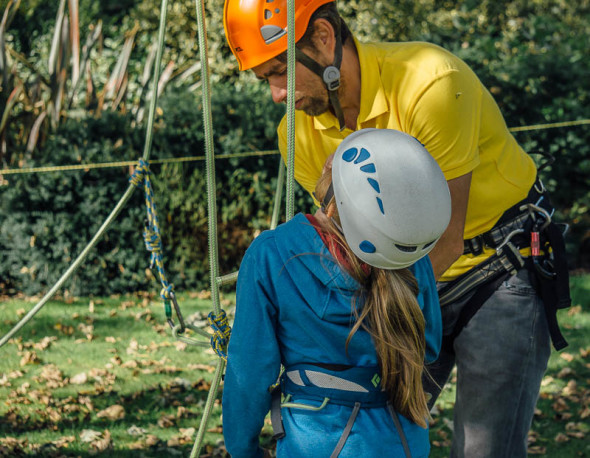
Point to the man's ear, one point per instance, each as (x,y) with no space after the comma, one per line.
(324,35)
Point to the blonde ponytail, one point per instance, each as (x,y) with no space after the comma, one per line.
(388,309)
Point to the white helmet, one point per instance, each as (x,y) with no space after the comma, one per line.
(392,197)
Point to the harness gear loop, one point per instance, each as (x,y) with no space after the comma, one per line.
(221,333)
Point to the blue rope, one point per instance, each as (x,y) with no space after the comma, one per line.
(151,232)
(221,333)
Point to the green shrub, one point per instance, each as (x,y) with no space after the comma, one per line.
(46,219)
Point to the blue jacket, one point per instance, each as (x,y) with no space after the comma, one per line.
(293,307)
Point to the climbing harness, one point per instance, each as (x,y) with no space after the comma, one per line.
(526,224)
(355,387)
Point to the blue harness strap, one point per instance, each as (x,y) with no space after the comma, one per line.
(356,387)
(342,387)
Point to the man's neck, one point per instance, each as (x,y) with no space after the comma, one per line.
(350,90)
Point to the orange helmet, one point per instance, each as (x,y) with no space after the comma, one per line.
(256,30)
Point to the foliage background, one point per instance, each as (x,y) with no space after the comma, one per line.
(532,55)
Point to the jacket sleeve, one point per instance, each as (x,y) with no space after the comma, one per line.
(253,361)
(428,300)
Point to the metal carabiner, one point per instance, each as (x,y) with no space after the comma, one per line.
(507,239)
(178,312)
(544,213)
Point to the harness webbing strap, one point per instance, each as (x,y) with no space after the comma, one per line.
(508,259)
(276,418)
(347,429)
(400,430)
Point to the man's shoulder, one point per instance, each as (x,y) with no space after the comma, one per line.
(414,56)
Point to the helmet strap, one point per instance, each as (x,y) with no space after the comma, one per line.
(330,75)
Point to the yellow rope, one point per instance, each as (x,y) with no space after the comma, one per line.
(550,126)
(104,165)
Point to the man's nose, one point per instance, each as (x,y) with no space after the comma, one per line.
(278,92)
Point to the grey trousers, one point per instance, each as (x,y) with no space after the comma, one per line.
(501,356)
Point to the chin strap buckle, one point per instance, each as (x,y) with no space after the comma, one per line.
(331,77)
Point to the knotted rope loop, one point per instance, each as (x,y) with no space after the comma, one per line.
(221,333)
(141,169)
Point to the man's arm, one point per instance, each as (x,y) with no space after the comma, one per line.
(450,246)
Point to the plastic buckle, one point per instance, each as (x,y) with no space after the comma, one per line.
(474,245)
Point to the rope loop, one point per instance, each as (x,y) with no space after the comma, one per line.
(141,170)
(221,333)
(167,292)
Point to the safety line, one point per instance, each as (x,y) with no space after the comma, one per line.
(211,213)
(550,125)
(174,160)
(104,165)
(148,143)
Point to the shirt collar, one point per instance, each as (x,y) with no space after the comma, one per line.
(372,105)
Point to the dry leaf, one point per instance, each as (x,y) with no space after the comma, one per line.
(567,356)
(29,357)
(79,379)
(89,435)
(537,450)
(103,443)
(561,438)
(114,412)
(574,310)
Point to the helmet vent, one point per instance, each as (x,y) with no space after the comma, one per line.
(369,168)
(267,14)
(349,154)
(426,245)
(380,203)
(367,247)
(406,249)
(374,184)
(271,33)
(363,156)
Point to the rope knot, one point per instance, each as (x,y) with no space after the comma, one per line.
(221,333)
(152,240)
(165,293)
(141,169)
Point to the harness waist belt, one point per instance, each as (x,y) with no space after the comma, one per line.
(343,387)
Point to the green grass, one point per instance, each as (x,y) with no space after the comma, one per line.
(124,349)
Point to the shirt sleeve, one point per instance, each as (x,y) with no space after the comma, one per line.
(430,305)
(253,361)
(446,118)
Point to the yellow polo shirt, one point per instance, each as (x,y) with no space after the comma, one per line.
(427,92)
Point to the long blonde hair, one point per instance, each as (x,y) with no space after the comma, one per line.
(386,307)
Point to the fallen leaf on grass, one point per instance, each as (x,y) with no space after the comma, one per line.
(51,376)
(567,356)
(29,357)
(537,450)
(134,430)
(89,435)
(574,310)
(561,438)
(201,367)
(114,412)
(166,421)
(79,379)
